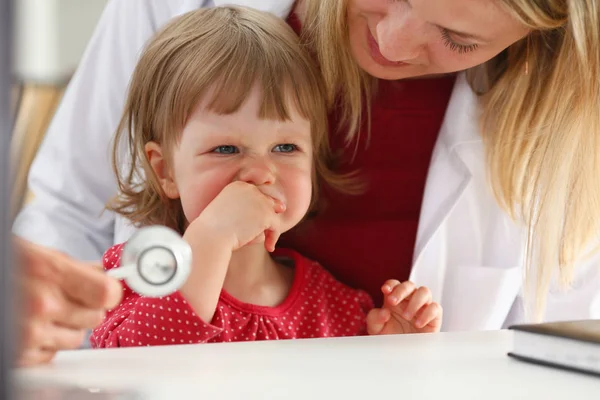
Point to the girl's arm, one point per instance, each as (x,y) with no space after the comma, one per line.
(146,321)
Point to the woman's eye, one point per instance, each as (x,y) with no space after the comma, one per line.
(457,47)
(285,148)
(226,150)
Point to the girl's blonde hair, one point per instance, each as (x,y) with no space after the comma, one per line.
(541,129)
(222,52)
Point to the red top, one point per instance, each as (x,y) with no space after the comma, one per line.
(317,306)
(365,240)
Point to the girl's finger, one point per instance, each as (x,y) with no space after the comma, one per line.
(389,285)
(376,320)
(400,292)
(430,316)
(279,206)
(421,296)
(271,238)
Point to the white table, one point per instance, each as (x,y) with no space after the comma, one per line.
(469,365)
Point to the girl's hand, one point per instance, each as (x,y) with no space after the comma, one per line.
(406,309)
(239,215)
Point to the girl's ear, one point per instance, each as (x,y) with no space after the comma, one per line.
(162,171)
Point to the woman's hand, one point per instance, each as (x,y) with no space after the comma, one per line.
(406,309)
(60,298)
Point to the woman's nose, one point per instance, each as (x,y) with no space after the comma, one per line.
(401,35)
(257,171)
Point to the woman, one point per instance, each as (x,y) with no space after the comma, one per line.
(472,178)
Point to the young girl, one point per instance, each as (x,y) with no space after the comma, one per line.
(226,121)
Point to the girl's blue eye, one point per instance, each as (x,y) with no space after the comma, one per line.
(285,148)
(227,149)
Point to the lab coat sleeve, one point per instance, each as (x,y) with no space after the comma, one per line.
(71,178)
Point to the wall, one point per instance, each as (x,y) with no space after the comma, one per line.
(51,36)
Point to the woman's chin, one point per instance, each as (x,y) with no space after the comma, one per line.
(388,72)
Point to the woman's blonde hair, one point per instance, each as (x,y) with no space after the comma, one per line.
(349,88)
(541,129)
(222,52)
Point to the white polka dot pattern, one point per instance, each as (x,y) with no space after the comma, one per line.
(317,306)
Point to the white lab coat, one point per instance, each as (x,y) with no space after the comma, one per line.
(468,252)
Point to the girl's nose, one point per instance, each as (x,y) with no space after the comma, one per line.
(257,171)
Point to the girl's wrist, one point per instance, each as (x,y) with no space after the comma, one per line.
(202,234)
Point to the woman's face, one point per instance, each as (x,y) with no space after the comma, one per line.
(396,39)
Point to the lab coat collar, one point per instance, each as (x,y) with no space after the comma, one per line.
(457,156)
(461,123)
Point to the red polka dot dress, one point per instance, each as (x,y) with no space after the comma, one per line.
(317,306)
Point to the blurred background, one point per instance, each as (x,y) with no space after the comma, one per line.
(50,38)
